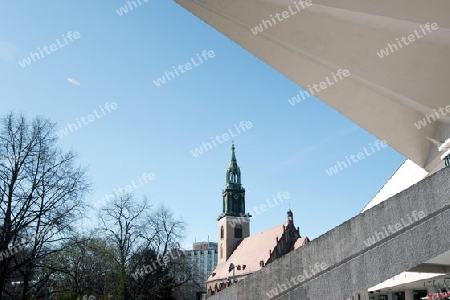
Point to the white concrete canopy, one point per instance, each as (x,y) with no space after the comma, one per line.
(386,96)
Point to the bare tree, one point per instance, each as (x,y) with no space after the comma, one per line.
(40,187)
(163,233)
(123,221)
(142,236)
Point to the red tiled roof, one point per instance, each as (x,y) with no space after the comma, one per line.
(300,242)
(251,251)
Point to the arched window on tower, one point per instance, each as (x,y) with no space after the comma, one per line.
(221,251)
(238,232)
(221,232)
(233,176)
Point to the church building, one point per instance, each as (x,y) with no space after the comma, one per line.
(240,253)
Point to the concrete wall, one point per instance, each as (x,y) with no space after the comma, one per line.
(353,266)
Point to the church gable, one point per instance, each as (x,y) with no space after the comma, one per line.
(285,243)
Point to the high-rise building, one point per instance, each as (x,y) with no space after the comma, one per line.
(204,256)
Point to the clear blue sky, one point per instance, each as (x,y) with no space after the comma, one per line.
(154,129)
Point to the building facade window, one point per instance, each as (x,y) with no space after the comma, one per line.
(221,232)
(238,232)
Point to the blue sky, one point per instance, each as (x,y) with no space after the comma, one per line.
(154,129)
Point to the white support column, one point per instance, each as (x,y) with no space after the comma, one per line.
(390,296)
(365,295)
(409,295)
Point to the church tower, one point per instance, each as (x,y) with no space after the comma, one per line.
(234,223)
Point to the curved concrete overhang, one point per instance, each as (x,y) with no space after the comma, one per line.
(386,96)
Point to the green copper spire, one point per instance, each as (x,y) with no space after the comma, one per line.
(233,161)
(233,195)
(233,156)
(233,171)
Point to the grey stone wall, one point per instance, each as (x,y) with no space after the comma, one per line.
(353,266)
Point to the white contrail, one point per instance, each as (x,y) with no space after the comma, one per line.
(73,81)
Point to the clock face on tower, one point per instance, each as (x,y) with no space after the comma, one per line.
(236,196)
